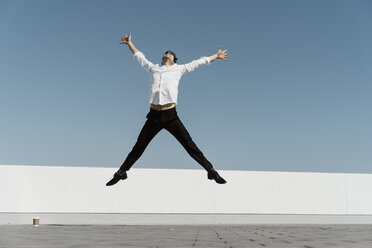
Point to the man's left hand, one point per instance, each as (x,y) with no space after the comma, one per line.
(222,54)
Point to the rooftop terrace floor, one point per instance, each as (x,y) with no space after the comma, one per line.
(278,235)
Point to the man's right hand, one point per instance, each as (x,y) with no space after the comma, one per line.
(126,39)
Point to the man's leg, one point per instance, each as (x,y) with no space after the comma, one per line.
(178,130)
(148,132)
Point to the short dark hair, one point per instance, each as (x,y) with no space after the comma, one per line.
(174,56)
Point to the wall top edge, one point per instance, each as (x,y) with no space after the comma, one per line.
(175,169)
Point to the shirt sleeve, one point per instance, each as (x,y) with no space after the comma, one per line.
(189,67)
(140,57)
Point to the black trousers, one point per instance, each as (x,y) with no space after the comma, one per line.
(156,121)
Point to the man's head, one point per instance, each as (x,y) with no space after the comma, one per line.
(169,58)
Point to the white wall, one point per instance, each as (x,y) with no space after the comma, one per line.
(51,189)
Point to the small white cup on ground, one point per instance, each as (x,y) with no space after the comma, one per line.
(36,221)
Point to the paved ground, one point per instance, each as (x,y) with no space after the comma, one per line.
(305,236)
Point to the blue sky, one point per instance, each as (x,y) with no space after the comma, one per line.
(294,95)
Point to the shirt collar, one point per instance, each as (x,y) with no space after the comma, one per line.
(168,65)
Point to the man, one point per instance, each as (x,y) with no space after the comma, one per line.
(163,114)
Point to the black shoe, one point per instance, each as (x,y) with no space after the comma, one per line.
(119,175)
(213,175)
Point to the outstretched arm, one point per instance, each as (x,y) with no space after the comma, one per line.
(138,55)
(219,55)
(189,67)
(128,41)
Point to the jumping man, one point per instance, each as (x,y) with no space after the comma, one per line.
(163,114)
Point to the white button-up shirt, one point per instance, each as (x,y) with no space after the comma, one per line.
(164,79)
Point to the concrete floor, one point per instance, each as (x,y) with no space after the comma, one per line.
(305,236)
